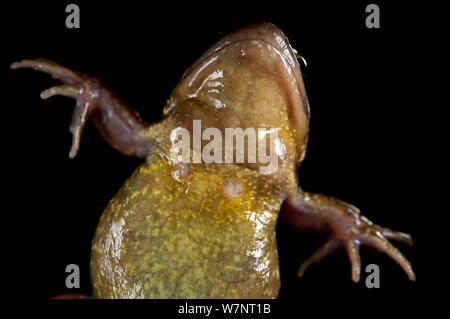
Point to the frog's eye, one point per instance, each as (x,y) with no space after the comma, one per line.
(299,57)
(170,105)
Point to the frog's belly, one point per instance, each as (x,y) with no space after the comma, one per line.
(194,244)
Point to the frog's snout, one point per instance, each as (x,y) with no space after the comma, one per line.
(265,32)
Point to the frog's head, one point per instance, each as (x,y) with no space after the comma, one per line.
(249,79)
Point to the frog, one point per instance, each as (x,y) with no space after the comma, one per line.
(184,228)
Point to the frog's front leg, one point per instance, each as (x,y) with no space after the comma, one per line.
(120,125)
(347,227)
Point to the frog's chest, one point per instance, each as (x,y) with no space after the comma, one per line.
(207,234)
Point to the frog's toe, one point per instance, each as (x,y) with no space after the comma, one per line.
(376,237)
(372,236)
(328,247)
(65,90)
(352,248)
(82,93)
(395,235)
(119,124)
(347,227)
(56,70)
(78,86)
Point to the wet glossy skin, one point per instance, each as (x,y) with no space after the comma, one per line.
(198,230)
(162,238)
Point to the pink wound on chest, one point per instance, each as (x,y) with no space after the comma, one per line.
(232,188)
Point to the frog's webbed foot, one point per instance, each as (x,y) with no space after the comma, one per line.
(348,229)
(120,125)
(76,85)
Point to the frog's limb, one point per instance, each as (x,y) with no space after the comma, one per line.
(347,227)
(120,125)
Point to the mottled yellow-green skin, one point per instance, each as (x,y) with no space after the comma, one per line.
(178,231)
(160,238)
(189,229)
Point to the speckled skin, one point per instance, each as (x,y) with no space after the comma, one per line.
(198,230)
(159,238)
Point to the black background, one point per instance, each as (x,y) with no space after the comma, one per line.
(366,142)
